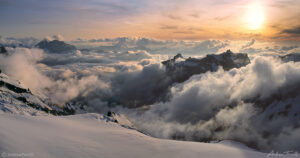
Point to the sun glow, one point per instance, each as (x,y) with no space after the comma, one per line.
(255,16)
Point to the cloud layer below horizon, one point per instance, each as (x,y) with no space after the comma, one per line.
(105,73)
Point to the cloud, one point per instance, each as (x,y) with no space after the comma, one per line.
(105,58)
(55,37)
(185,47)
(249,44)
(133,55)
(208,46)
(240,104)
(168,27)
(194,15)
(173,17)
(64,77)
(19,66)
(144,87)
(65,59)
(155,46)
(222,18)
(253,50)
(22,65)
(18,42)
(292,31)
(66,90)
(217,106)
(184,32)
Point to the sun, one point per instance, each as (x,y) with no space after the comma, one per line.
(255,16)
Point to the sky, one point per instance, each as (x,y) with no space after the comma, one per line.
(164,19)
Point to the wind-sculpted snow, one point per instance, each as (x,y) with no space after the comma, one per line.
(94,136)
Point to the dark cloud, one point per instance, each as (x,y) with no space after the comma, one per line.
(173,17)
(292,31)
(194,29)
(222,18)
(184,32)
(142,88)
(194,15)
(55,60)
(249,44)
(169,27)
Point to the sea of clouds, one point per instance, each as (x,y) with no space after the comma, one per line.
(126,75)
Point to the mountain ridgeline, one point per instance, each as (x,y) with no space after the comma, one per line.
(291,57)
(181,70)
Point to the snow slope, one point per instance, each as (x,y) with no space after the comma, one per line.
(92,135)
(16,99)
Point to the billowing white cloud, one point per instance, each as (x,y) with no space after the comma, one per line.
(55,37)
(252,42)
(213,105)
(18,42)
(21,64)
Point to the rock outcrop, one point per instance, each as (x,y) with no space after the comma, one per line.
(181,69)
(55,46)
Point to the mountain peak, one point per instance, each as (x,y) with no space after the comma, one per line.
(179,55)
(2,50)
(55,46)
(228,52)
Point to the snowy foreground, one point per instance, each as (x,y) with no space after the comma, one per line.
(92,135)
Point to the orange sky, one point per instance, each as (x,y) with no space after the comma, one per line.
(165,19)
